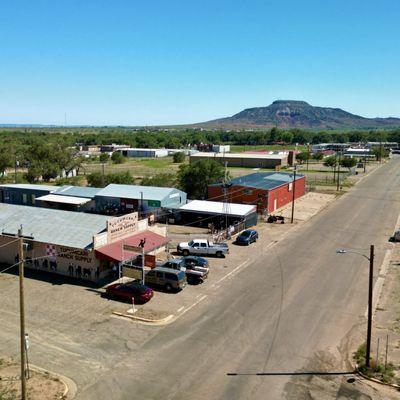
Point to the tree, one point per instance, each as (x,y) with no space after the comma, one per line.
(318,156)
(6,160)
(195,178)
(302,157)
(95,179)
(287,137)
(348,162)
(179,157)
(117,158)
(379,152)
(104,157)
(330,161)
(161,180)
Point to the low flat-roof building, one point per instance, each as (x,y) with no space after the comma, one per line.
(268,191)
(73,244)
(244,159)
(204,212)
(150,153)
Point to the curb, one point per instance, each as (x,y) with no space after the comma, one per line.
(70,386)
(393,385)
(146,320)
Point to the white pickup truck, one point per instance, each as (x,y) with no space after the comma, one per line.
(204,247)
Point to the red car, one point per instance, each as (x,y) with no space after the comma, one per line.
(125,291)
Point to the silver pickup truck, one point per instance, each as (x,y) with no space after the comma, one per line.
(204,247)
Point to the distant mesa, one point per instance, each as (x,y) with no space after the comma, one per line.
(299,114)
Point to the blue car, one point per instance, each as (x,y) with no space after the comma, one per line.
(246,237)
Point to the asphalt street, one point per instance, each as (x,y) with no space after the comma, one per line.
(295,308)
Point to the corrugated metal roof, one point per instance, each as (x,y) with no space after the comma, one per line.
(216,207)
(65,228)
(134,192)
(265,180)
(28,186)
(78,191)
(56,198)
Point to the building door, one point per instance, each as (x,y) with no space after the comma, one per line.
(275,204)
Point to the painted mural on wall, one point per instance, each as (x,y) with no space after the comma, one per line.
(78,263)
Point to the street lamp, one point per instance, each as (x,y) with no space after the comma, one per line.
(370,296)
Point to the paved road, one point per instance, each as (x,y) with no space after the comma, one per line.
(297,307)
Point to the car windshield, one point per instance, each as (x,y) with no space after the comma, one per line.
(246,234)
(136,288)
(190,243)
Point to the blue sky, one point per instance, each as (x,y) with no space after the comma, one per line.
(166,62)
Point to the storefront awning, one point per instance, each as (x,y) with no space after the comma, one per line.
(115,252)
(56,198)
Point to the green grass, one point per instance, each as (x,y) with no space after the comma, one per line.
(156,162)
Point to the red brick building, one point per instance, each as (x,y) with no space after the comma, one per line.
(267,190)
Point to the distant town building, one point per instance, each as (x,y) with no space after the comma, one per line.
(244,159)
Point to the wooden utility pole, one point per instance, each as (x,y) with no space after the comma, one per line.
(294,193)
(22,311)
(370,298)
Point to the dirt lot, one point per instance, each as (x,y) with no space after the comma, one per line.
(387,316)
(40,386)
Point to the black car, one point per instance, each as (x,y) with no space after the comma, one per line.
(195,261)
(246,237)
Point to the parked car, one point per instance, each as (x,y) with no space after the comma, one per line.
(203,246)
(166,278)
(196,261)
(246,237)
(194,274)
(125,291)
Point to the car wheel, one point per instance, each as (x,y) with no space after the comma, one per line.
(168,287)
(185,253)
(219,254)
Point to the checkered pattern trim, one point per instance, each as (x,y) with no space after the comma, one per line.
(51,250)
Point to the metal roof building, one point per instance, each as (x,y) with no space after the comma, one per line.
(63,228)
(265,180)
(218,208)
(268,190)
(132,197)
(244,159)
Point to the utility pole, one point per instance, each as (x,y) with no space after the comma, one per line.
(22,311)
(338,175)
(370,297)
(102,176)
(365,159)
(15,168)
(308,154)
(294,193)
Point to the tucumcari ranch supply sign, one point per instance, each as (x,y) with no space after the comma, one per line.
(120,227)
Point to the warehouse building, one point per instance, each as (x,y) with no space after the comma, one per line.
(78,245)
(146,199)
(246,160)
(69,198)
(24,194)
(268,191)
(149,153)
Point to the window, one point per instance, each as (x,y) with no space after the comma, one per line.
(24,198)
(196,245)
(171,277)
(290,186)
(203,244)
(159,274)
